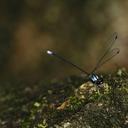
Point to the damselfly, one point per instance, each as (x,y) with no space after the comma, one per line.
(108,54)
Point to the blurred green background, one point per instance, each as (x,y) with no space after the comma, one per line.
(76,29)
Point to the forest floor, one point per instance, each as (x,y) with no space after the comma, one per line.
(70,103)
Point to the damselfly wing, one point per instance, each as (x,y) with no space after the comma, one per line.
(109,52)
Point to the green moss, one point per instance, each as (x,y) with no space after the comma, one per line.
(74,103)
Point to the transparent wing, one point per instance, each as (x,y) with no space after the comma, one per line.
(108,54)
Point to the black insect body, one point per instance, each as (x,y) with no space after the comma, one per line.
(94,78)
(109,54)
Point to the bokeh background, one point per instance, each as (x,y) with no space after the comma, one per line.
(76,29)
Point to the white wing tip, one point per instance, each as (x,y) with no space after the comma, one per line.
(49,52)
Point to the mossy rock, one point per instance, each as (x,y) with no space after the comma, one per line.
(69,103)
